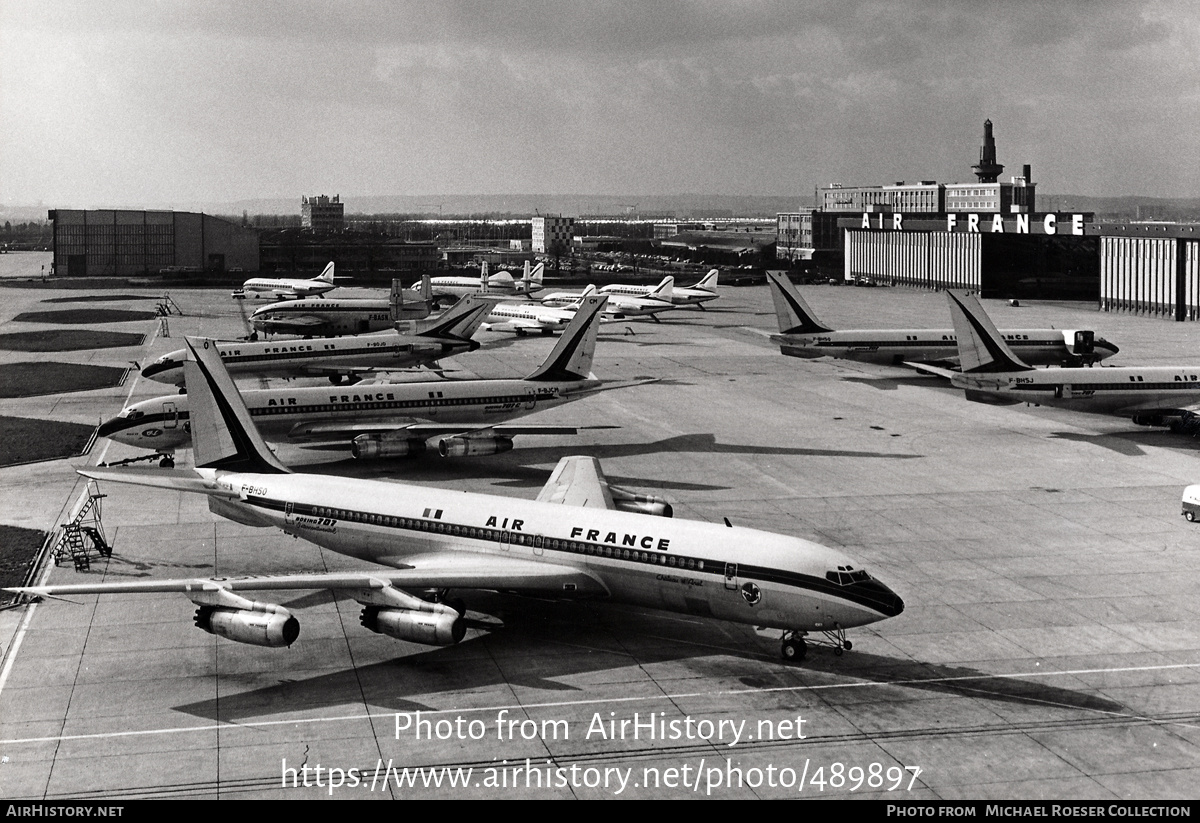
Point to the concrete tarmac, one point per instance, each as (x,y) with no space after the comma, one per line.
(1050,647)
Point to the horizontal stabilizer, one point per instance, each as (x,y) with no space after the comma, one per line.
(158,478)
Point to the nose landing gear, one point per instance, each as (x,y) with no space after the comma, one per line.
(793,646)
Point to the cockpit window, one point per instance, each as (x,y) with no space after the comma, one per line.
(845,575)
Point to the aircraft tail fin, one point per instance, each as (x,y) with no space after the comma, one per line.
(326,275)
(223,435)
(981,348)
(709,281)
(571,358)
(663,290)
(532,280)
(426,290)
(795,316)
(460,320)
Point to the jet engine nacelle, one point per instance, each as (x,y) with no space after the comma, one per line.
(467,446)
(258,628)
(990,399)
(1150,420)
(371,446)
(432,628)
(628,501)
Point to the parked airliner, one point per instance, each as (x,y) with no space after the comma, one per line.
(582,537)
(380,419)
(500,284)
(697,295)
(993,373)
(802,335)
(331,316)
(285,287)
(415,342)
(657,300)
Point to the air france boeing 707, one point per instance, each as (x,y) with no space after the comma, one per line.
(462,416)
(582,537)
(992,373)
(414,343)
(801,334)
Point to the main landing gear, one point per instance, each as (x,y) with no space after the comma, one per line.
(793,646)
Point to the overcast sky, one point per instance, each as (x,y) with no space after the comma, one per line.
(136,103)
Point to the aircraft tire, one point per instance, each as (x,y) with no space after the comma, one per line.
(848,645)
(793,651)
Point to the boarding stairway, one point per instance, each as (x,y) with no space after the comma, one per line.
(82,536)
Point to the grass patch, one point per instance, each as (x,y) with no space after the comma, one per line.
(25,440)
(68,340)
(82,316)
(33,379)
(17,547)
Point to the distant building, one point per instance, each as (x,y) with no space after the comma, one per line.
(552,234)
(89,243)
(322,213)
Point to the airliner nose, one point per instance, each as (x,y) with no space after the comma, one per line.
(159,366)
(110,427)
(879,597)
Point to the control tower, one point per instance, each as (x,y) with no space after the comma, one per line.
(988,169)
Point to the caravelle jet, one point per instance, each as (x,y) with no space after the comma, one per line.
(582,537)
(501,284)
(379,419)
(656,300)
(415,342)
(327,317)
(802,335)
(697,295)
(992,373)
(285,287)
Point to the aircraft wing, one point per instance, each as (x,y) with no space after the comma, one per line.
(351,429)
(440,570)
(578,481)
(303,321)
(158,478)
(929,368)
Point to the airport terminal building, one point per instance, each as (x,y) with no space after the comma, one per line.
(988,237)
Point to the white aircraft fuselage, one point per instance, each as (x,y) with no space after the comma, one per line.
(307,358)
(692,567)
(1140,393)
(163,423)
(327,317)
(285,287)
(894,347)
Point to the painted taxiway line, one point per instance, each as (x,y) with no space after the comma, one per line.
(860,684)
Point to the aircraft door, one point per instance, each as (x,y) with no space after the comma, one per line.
(289,516)
(1085,342)
(539,544)
(505,540)
(1063,392)
(731,577)
(171,413)
(530,399)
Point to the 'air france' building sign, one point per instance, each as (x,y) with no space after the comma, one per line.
(973,223)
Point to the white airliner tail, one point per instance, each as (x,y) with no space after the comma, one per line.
(709,281)
(981,348)
(223,436)
(663,290)
(326,275)
(571,358)
(795,316)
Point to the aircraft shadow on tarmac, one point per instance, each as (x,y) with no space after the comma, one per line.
(1131,443)
(541,646)
(513,466)
(894,383)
